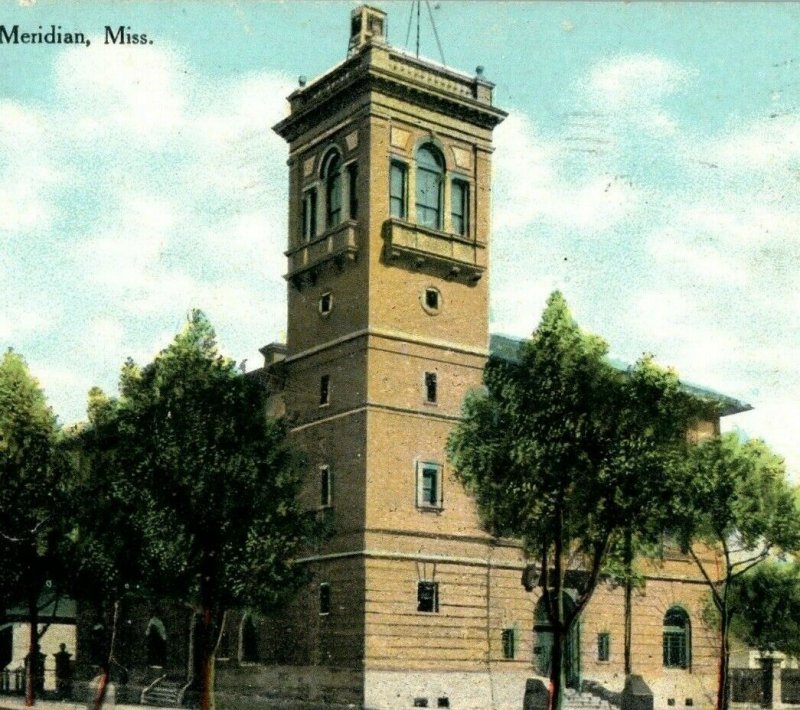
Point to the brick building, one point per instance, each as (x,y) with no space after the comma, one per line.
(412,603)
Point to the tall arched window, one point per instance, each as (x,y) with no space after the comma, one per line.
(156,639)
(677,638)
(332,177)
(430,174)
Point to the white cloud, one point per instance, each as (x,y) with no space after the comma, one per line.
(532,184)
(629,81)
(129,91)
(691,254)
(766,144)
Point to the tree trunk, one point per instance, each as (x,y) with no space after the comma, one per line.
(105,671)
(723,691)
(557,667)
(559,636)
(207,680)
(33,650)
(211,632)
(628,564)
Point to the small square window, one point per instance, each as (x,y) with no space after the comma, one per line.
(429,485)
(603,646)
(326,487)
(671,702)
(432,298)
(509,645)
(443,703)
(324,390)
(324,598)
(431,393)
(428,597)
(420,702)
(326,303)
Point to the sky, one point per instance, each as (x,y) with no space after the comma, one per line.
(649,168)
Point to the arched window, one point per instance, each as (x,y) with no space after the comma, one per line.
(332,177)
(156,640)
(249,640)
(430,174)
(677,638)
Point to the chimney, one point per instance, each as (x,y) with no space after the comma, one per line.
(367,24)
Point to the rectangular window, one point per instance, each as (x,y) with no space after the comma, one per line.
(432,298)
(509,645)
(429,198)
(430,387)
(675,649)
(324,598)
(603,646)
(429,485)
(397,190)
(325,303)
(309,215)
(428,597)
(324,389)
(459,207)
(352,184)
(325,486)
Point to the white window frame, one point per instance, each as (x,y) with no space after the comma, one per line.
(422,504)
(329,295)
(326,492)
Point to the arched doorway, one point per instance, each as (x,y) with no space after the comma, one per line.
(543,643)
(156,643)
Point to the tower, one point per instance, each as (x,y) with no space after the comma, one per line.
(411,603)
(389,192)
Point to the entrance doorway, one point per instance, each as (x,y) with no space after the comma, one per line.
(543,643)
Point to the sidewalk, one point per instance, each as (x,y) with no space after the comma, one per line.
(15,703)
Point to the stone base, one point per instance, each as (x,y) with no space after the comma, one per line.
(396,690)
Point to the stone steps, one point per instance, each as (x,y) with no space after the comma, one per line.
(163,694)
(574,700)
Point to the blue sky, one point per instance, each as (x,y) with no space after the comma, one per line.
(649,168)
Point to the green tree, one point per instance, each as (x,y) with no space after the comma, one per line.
(647,455)
(766,607)
(216,485)
(534,449)
(736,507)
(32,474)
(108,540)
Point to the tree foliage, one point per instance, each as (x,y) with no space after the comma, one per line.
(32,502)
(735,501)
(213,484)
(555,451)
(766,607)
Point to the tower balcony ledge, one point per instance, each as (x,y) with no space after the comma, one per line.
(424,249)
(336,246)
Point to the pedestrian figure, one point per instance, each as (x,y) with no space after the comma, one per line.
(63,672)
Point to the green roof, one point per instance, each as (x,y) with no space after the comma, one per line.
(52,607)
(507,348)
